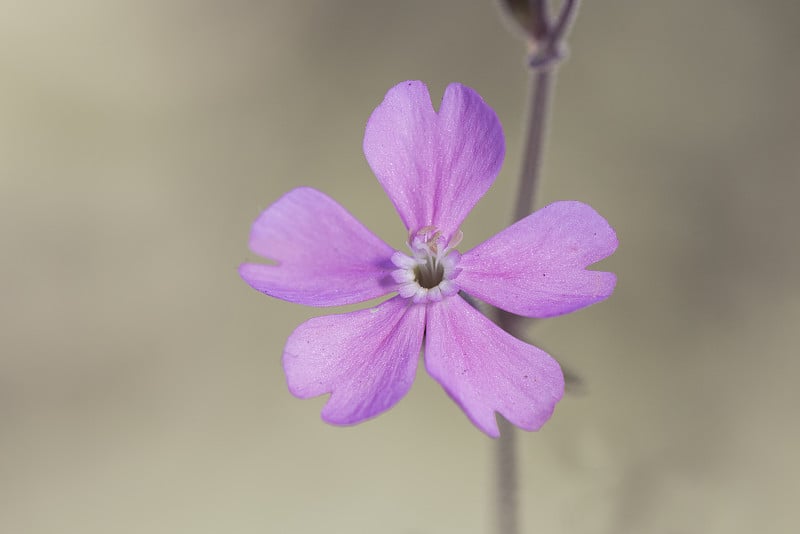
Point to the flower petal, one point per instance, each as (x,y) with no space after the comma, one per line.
(486,370)
(537,267)
(434,167)
(325,256)
(366,359)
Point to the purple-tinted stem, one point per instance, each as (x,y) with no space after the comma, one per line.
(532,162)
(546,53)
(506,457)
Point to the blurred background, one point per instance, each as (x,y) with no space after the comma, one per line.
(140,380)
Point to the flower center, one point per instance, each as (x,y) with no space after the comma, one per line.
(430,274)
(427,274)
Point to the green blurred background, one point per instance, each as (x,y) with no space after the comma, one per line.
(140,380)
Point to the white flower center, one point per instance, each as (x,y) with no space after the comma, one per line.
(427,275)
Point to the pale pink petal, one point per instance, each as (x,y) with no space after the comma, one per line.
(434,167)
(324,256)
(366,359)
(537,267)
(486,370)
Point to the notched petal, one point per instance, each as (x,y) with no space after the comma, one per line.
(322,255)
(434,166)
(366,359)
(538,266)
(486,370)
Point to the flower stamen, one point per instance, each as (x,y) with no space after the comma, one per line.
(426,275)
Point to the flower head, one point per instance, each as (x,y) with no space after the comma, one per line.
(434,167)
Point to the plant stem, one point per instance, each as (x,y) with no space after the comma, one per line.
(532,162)
(507,508)
(506,451)
(545,46)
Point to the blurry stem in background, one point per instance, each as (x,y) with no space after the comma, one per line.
(545,50)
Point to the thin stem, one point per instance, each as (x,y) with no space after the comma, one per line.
(532,163)
(545,53)
(506,479)
(506,451)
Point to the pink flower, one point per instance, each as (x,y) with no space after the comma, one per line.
(434,167)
